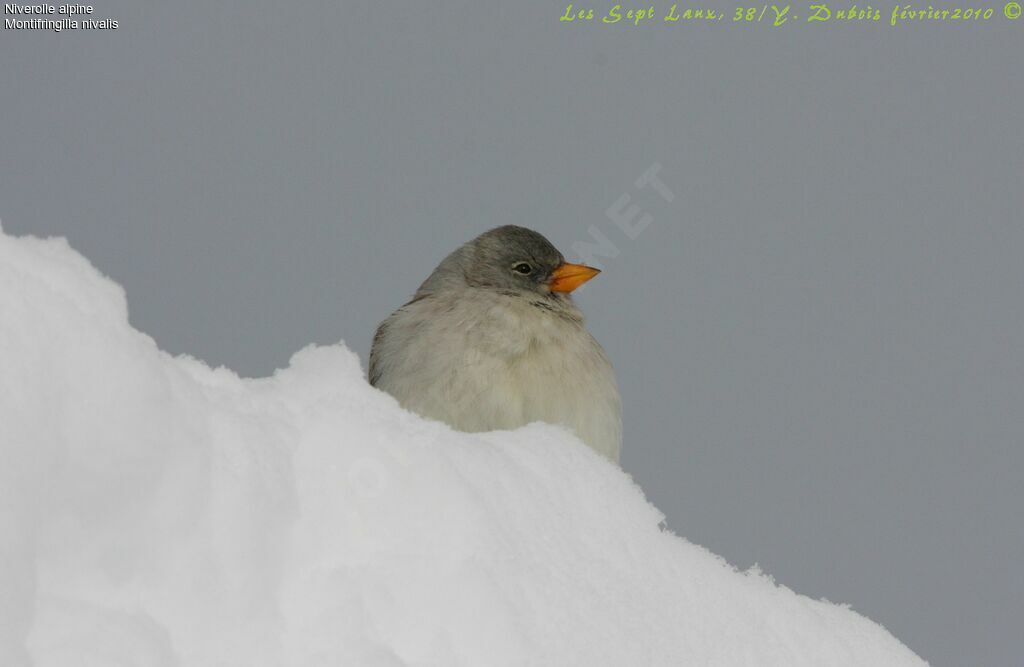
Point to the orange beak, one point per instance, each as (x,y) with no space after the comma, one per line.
(568,277)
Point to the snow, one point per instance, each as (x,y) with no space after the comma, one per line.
(155,511)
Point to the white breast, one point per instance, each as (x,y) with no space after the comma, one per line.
(492,362)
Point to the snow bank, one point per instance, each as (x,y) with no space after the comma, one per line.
(154,511)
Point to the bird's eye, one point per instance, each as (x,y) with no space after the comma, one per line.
(523,268)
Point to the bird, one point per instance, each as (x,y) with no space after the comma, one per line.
(492,340)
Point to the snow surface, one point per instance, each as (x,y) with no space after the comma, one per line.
(154,511)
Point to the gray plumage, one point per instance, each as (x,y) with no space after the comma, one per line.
(492,340)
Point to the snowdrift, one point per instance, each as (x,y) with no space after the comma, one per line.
(155,511)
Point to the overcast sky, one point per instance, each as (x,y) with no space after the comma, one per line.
(817,330)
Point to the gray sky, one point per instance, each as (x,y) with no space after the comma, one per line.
(818,339)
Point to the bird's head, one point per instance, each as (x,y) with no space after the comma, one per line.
(518,259)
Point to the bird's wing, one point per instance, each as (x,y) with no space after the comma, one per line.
(375,369)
